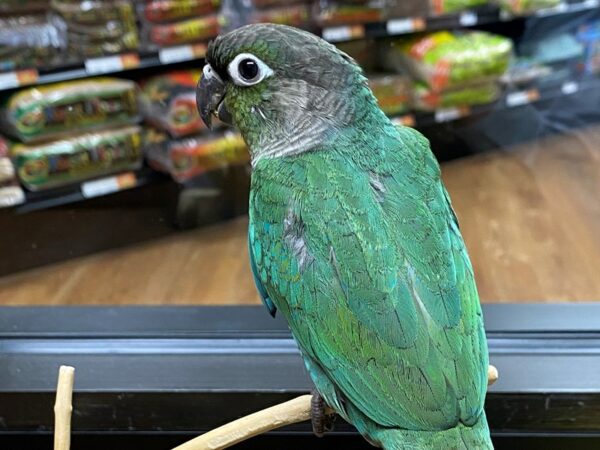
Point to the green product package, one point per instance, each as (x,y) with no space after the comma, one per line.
(63,162)
(424,99)
(445,60)
(48,112)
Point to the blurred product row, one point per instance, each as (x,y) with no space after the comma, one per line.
(51,33)
(334,12)
(66,133)
(443,69)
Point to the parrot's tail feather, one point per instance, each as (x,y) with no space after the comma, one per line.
(460,437)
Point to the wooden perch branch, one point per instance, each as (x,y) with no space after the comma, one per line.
(63,408)
(288,413)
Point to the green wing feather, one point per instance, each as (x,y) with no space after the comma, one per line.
(366,262)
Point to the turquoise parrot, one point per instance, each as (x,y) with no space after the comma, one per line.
(353,239)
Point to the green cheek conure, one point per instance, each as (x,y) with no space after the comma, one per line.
(353,239)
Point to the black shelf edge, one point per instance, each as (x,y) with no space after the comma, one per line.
(132,61)
(470,18)
(36,201)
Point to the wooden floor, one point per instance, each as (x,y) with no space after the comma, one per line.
(530,217)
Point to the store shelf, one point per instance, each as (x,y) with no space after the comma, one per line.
(408,25)
(511,99)
(195,53)
(103,66)
(99,187)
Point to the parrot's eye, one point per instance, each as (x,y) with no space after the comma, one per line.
(247,70)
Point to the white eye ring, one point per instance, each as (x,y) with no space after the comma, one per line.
(263,71)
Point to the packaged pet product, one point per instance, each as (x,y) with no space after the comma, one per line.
(169,102)
(426,99)
(441,7)
(189,157)
(10,192)
(184,32)
(237,13)
(74,159)
(14,7)
(407,8)
(444,60)
(392,93)
(331,13)
(527,6)
(161,11)
(97,27)
(29,41)
(45,112)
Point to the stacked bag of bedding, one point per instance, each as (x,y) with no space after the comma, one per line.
(237,13)
(452,69)
(10,192)
(28,36)
(348,12)
(96,27)
(520,7)
(178,142)
(69,132)
(167,23)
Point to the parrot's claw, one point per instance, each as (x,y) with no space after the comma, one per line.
(321,421)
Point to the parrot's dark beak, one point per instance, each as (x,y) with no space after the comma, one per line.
(209,97)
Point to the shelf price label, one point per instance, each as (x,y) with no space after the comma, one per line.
(181,53)
(18,78)
(449,114)
(108,185)
(569,87)
(115,63)
(468,19)
(522,97)
(345,33)
(405,26)
(408,120)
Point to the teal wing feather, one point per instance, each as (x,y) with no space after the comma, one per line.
(259,285)
(367,264)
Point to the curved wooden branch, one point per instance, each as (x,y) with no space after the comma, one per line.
(288,413)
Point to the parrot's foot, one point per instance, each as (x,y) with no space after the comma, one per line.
(321,421)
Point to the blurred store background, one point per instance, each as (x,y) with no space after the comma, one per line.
(113,192)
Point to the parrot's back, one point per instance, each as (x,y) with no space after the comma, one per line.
(356,244)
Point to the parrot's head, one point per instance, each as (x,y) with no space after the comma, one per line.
(285,89)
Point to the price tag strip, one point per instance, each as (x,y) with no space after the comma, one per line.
(408,120)
(345,33)
(18,78)
(181,53)
(468,19)
(569,87)
(114,63)
(522,97)
(108,185)
(405,26)
(448,114)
